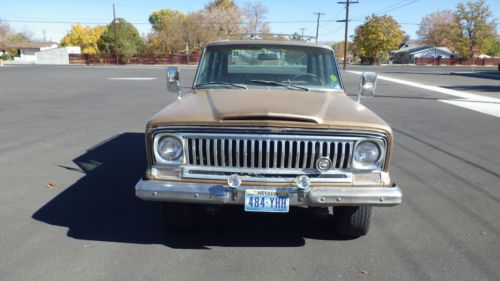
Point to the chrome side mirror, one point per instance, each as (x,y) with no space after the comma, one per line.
(367,85)
(173,82)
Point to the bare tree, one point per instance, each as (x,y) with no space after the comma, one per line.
(435,28)
(223,19)
(255,16)
(4,30)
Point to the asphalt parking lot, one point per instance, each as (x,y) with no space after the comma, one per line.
(72,149)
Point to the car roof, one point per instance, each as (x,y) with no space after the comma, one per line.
(267,42)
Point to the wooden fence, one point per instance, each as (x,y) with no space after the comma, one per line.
(140,59)
(457,61)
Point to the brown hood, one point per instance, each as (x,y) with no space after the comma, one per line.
(269,107)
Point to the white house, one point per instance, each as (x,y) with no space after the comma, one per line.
(408,54)
(26,50)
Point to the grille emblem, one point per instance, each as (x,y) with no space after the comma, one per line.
(323,164)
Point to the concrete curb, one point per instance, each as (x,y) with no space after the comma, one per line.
(477,75)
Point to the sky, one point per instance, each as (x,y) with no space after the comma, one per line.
(54,17)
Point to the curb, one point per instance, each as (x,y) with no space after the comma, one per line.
(478,75)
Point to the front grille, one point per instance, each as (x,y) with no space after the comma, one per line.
(267,151)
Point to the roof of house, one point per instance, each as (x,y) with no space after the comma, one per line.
(25,45)
(418,49)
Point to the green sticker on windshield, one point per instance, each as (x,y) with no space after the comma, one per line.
(333,78)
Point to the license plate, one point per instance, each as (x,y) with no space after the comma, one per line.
(266,201)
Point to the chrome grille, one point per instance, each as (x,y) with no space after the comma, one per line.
(267,151)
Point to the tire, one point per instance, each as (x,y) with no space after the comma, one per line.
(180,216)
(353,222)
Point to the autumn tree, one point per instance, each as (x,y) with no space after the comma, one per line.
(169,35)
(195,32)
(4,30)
(128,42)
(491,46)
(223,17)
(338,47)
(84,36)
(160,18)
(377,36)
(255,16)
(474,26)
(435,28)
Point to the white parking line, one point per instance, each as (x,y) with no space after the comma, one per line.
(479,103)
(131,78)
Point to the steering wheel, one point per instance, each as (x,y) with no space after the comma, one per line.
(308,77)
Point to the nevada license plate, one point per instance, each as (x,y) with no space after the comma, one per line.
(266,201)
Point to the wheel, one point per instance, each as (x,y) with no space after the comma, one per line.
(353,222)
(180,216)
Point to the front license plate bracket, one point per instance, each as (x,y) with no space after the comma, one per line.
(270,201)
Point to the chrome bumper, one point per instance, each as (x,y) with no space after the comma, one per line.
(315,196)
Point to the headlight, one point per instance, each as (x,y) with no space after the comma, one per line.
(169,148)
(367,154)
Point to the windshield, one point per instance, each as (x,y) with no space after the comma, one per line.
(293,67)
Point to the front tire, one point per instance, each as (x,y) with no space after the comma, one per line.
(353,222)
(180,216)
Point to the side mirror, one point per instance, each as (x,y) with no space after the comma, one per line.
(173,82)
(367,85)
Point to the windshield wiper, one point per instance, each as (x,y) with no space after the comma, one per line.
(274,83)
(222,84)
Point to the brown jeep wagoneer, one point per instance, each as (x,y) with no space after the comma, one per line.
(268,126)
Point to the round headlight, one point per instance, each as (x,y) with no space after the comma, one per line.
(367,153)
(169,148)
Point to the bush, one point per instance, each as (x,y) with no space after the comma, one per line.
(7,56)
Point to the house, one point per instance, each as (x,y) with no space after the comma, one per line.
(407,53)
(26,50)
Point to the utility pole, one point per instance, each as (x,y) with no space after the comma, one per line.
(302,33)
(347,3)
(117,56)
(317,24)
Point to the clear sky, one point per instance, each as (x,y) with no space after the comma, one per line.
(285,16)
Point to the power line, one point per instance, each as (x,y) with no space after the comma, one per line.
(317,24)
(139,23)
(400,6)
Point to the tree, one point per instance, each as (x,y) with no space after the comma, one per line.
(129,42)
(169,34)
(196,32)
(474,26)
(435,28)
(19,37)
(338,47)
(161,17)
(221,4)
(84,36)
(255,16)
(377,36)
(4,30)
(491,46)
(223,18)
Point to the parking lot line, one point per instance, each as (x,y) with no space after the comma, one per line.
(479,103)
(131,78)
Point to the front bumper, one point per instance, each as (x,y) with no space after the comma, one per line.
(316,196)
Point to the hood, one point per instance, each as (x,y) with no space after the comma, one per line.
(268,107)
